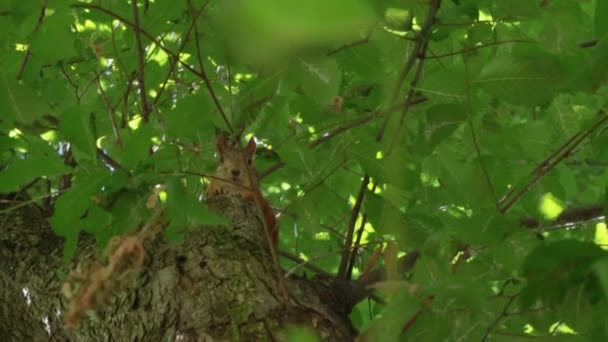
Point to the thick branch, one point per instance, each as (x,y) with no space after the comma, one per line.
(568,218)
(170,297)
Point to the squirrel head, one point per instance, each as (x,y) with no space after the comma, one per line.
(236,164)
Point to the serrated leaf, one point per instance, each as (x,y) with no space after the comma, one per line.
(41,160)
(523,77)
(191,118)
(54,41)
(441,121)
(321,79)
(298,157)
(20,102)
(185,211)
(564,263)
(135,149)
(564,27)
(388,326)
(71,206)
(75,124)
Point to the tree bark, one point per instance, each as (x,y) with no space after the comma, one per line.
(218,284)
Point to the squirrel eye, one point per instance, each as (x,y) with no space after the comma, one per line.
(249,161)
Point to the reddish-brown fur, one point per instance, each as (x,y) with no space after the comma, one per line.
(236,174)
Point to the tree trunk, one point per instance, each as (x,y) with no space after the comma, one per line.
(218,284)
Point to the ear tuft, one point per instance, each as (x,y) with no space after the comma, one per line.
(222,143)
(250,148)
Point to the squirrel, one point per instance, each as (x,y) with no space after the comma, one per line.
(237,174)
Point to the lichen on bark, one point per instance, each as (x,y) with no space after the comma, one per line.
(218,284)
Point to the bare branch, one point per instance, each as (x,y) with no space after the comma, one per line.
(346,250)
(550,163)
(140,63)
(125,21)
(204,74)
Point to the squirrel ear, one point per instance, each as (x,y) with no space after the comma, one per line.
(250,148)
(222,143)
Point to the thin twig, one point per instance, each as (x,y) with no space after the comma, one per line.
(30,201)
(69,79)
(322,272)
(499,318)
(347,46)
(311,187)
(474,135)
(420,39)
(125,21)
(362,120)
(303,262)
(410,96)
(477,47)
(346,250)
(111,112)
(140,63)
(205,77)
(354,252)
(419,47)
(546,166)
(181,48)
(341,129)
(108,160)
(89,85)
(271,169)
(28,51)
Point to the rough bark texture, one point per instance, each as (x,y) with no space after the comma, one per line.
(218,284)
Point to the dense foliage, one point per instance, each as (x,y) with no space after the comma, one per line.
(460,130)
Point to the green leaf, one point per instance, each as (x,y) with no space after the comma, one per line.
(135,149)
(320,79)
(40,161)
(601,271)
(564,263)
(600,20)
(75,124)
(564,27)
(297,157)
(365,152)
(192,118)
(302,335)
(184,210)
(515,8)
(441,121)
(268,29)
(20,102)
(72,207)
(526,76)
(54,41)
(442,83)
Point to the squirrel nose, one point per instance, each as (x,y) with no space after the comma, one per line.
(236,172)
